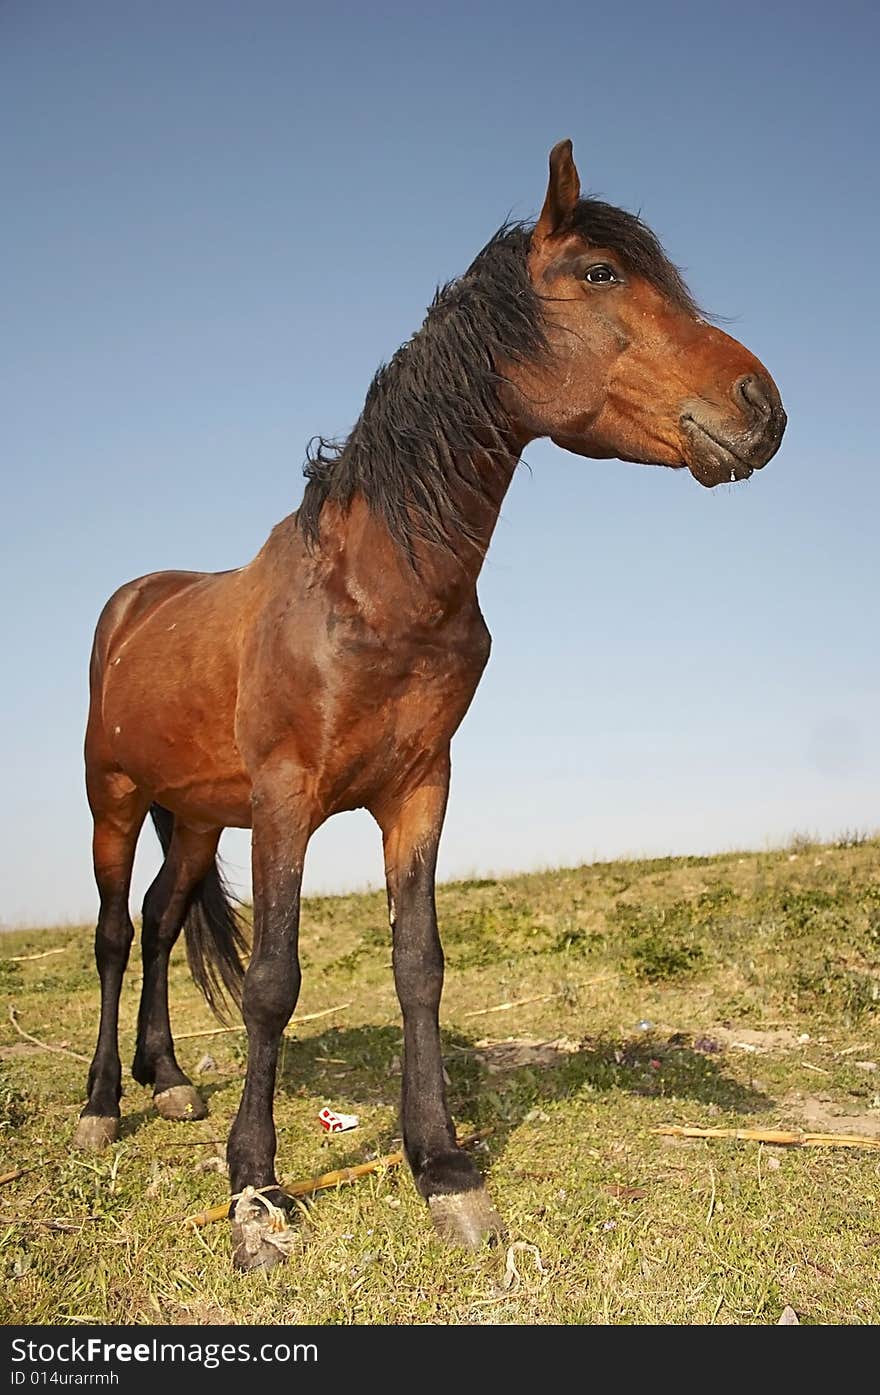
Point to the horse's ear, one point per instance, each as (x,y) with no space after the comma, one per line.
(563,192)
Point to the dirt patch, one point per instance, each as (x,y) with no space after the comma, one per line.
(748,1039)
(18,1048)
(513,1052)
(499,1056)
(822,1114)
(753,1040)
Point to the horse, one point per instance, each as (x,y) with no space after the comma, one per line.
(331,672)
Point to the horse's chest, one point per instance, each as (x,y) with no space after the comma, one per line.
(393,706)
(427,679)
(358,708)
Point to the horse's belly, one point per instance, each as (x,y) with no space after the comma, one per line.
(215,804)
(170,746)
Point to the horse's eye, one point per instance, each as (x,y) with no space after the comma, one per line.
(601,275)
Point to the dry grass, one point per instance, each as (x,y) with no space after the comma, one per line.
(758,975)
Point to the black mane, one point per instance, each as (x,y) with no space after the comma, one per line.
(603,225)
(434,410)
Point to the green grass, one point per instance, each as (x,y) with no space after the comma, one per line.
(758,975)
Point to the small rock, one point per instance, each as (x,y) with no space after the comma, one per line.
(804,1037)
(708,1045)
(773,1164)
(216,1163)
(789,1318)
(157,1178)
(206,1064)
(866,1065)
(537,1116)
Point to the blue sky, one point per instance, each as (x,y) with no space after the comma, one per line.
(219,218)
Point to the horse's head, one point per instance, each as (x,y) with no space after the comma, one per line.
(633,371)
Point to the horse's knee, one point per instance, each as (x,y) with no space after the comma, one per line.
(418,973)
(113,938)
(158,934)
(162,916)
(270,993)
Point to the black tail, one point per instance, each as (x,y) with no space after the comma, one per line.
(214,930)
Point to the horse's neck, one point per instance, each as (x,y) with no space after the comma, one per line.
(437,577)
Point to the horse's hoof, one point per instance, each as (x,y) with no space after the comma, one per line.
(261,1237)
(466,1219)
(95,1131)
(248,1255)
(179,1103)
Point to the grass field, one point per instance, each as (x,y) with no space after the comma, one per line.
(741,991)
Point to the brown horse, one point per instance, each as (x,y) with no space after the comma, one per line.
(331,672)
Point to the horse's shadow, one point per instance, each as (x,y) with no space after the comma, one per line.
(498,1086)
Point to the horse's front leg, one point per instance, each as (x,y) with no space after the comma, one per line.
(445,1176)
(271,988)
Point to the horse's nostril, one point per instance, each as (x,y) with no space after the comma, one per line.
(753,393)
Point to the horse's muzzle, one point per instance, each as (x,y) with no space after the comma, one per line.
(721,447)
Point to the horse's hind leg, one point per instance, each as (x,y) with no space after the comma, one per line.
(119,808)
(190,857)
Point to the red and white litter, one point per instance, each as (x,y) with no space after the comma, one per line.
(337,1123)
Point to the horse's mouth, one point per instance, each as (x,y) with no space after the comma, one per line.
(711,460)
